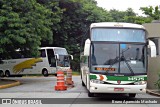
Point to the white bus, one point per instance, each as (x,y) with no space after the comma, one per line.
(51,59)
(115,59)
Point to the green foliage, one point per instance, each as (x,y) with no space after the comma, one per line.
(157,83)
(30,24)
(76,19)
(154,13)
(128,16)
(24,24)
(118,16)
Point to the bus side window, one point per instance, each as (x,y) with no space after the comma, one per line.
(51,58)
(42,53)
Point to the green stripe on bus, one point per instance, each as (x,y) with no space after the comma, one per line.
(127,78)
(93,77)
(122,78)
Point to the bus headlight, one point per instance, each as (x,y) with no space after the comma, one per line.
(96,81)
(140,83)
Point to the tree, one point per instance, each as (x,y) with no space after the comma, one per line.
(24,24)
(76,19)
(118,16)
(128,16)
(29,24)
(154,13)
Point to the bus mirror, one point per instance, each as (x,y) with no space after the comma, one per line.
(87,47)
(57,57)
(152,49)
(71,57)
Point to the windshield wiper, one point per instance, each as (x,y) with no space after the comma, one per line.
(117,59)
(123,58)
(112,63)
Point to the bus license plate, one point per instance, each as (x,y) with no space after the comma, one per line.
(118,89)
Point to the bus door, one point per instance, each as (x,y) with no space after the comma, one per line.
(51,58)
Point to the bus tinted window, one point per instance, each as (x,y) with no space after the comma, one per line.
(43,53)
(117,58)
(51,58)
(118,35)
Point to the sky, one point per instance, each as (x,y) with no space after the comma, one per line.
(124,4)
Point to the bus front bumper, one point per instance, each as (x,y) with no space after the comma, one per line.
(108,88)
(63,68)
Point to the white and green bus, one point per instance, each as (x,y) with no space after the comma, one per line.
(114,59)
(51,59)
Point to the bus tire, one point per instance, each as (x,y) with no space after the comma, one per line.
(83,83)
(1,74)
(45,72)
(132,95)
(7,74)
(19,75)
(90,94)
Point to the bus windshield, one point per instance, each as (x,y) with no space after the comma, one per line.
(63,61)
(60,51)
(129,59)
(118,35)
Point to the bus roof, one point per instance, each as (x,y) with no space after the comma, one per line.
(52,48)
(116,24)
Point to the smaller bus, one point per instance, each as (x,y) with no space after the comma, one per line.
(51,59)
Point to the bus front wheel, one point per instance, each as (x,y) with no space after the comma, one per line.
(132,95)
(7,74)
(45,72)
(90,94)
(83,83)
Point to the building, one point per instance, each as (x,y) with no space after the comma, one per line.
(154,63)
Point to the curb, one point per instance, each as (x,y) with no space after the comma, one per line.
(153,93)
(16,83)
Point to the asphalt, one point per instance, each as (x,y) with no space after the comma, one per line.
(7,83)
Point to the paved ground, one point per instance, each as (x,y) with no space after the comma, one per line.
(4,82)
(42,84)
(43,87)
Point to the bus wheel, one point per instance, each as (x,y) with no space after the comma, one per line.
(132,95)
(45,72)
(1,74)
(7,74)
(83,83)
(90,94)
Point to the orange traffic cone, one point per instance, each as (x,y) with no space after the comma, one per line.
(69,81)
(60,81)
